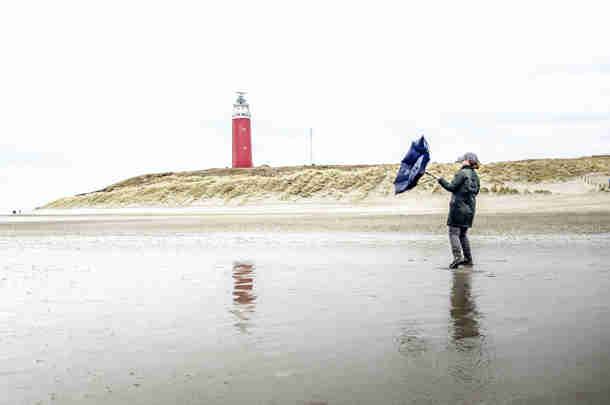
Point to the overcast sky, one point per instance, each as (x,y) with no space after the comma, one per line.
(92,93)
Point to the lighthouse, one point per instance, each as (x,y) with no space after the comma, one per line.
(242,141)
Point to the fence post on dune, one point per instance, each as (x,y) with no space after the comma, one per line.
(311,146)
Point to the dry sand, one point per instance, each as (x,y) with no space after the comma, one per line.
(533,196)
(580,213)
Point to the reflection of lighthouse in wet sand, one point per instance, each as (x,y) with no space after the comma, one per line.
(243,294)
(242,141)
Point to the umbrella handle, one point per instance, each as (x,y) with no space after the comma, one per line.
(426,182)
(431,175)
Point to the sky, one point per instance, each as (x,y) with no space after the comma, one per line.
(92,93)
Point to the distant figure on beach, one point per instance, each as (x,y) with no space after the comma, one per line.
(464,187)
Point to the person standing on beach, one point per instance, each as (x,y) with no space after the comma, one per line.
(464,187)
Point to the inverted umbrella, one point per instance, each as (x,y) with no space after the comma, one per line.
(413,166)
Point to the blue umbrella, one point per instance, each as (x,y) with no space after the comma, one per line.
(413,166)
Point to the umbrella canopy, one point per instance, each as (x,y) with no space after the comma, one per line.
(413,166)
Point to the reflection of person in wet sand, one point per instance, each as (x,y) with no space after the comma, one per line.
(471,366)
(463,310)
(471,359)
(243,296)
(464,321)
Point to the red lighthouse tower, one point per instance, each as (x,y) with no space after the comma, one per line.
(242,141)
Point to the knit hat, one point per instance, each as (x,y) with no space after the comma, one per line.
(468,156)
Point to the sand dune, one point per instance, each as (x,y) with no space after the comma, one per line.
(356,183)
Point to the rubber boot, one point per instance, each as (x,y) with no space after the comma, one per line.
(456,263)
(466,249)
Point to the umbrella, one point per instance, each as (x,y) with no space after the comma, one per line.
(413,166)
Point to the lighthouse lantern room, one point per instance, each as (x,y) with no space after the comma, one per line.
(242,140)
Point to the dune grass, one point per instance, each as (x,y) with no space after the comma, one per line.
(353,182)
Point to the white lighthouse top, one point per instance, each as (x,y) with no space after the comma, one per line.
(241,108)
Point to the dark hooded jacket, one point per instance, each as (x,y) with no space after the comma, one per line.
(464,187)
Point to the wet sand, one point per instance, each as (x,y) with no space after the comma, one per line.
(336,308)
(485,223)
(582,213)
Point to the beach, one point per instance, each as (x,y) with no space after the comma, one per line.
(270,203)
(580,213)
(311,303)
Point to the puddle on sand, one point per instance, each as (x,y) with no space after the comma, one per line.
(302,318)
